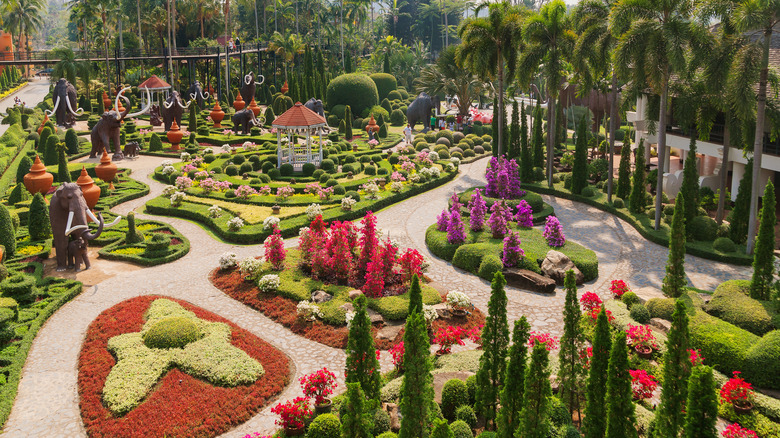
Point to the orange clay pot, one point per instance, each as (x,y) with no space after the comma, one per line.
(217,115)
(239,103)
(38,180)
(174,136)
(253,106)
(106,170)
(88,188)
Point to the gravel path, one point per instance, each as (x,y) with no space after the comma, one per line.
(47,402)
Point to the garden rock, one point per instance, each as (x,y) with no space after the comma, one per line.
(442,310)
(348,307)
(354,294)
(320,296)
(390,330)
(376,318)
(556,264)
(529,280)
(661,324)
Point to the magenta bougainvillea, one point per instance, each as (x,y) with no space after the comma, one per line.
(497,221)
(274,250)
(455,202)
(375,280)
(319,385)
(512,253)
(443,220)
(411,262)
(339,248)
(524,216)
(455,232)
(550,342)
(642,384)
(590,301)
(503,179)
(553,232)
(477,211)
(618,288)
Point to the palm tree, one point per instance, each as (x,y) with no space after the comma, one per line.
(489,46)
(759,16)
(104,8)
(449,78)
(549,43)
(592,58)
(25,15)
(655,39)
(67,65)
(286,47)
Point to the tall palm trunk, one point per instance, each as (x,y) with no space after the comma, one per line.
(105,44)
(661,148)
(724,169)
(138,15)
(341,31)
(500,118)
(612,129)
(758,142)
(550,134)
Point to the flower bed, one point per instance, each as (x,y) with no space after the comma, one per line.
(115,246)
(180,405)
(540,209)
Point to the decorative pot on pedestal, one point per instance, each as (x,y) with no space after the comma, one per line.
(254,107)
(294,432)
(276,209)
(38,180)
(106,170)
(106,102)
(88,188)
(43,124)
(239,103)
(285,88)
(217,115)
(372,128)
(174,136)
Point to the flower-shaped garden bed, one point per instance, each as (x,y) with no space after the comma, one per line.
(155,366)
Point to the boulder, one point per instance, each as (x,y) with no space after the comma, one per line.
(320,296)
(529,280)
(661,324)
(556,264)
(390,330)
(354,294)
(348,307)
(375,317)
(442,310)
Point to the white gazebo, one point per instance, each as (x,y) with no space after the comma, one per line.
(155,86)
(299,120)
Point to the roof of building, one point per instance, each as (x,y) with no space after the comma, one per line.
(154,83)
(299,117)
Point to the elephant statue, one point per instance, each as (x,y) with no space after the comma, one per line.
(248,87)
(316,106)
(78,253)
(132,148)
(154,115)
(245,119)
(107,128)
(65,91)
(196,92)
(172,110)
(68,213)
(420,110)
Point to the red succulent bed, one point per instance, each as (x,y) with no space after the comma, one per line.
(180,405)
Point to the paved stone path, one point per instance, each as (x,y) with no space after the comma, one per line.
(47,402)
(31,94)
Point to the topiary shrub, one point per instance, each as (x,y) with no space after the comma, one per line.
(378,112)
(157,246)
(308,169)
(325,426)
(397,118)
(454,394)
(19,287)
(245,168)
(660,308)
(471,386)
(724,244)
(588,192)
(731,303)
(479,150)
(461,430)
(267,166)
(394,95)
(640,313)
(618,203)
(286,169)
(132,235)
(761,364)
(702,228)
(381,422)
(238,159)
(356,90)
(490,264)
(388,435)
(370,170)
(352,194)
(171,332)
(629,299)
(7,231)
(155,144)
(231,170)
(39,224)
(385,84)
(466,414)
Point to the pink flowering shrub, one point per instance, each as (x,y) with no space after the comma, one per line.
(477,211)
(590,301)
(244,192)
(641,336)
(325,193)
(512,254)
(443,220)
(189,167)
(736,391)
(397,352)
(183,182)
(274,249)
(503,179)
(618,288)
(550,342)
(553,232)
(455,203)
(524,216)
(264,191)
(642,384)
(368,241)
(312,188)
(734,430)
(497,221)
(455,232)
(695,357)
(340,260)
(319,385)
(446,337)
(292,414)
(411,262)
(208,185)
(282,193)
(203,174)
(408,166)
(222,185)
(375,280)
(397,177)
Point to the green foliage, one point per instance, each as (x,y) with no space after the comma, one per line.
(702,405)
(19,287)
(72,141)
(571,374)
(761,364)
(454,395)
(629,299)
(534,418)
(512,391)
(362,366)
(415,296)
(325,426)
(24,168)
(461,430)
(193,120)
(620,408)
(640,313)
(270,116)
(537,141)
(580,169)
(63,174)
(763,257)
(397,117)
(18,194)
(381,421)
(724,244)
(731,303)
(441,429)
(155,144)
(595,425)
(417,387)
(356,90)
(495,340)
(675,281)
(348,122)
(624,171)
(50,156)
(669,418)
(46,132)
(172,332)
(354,424)
(690,185)
(660,308)
(467,415)
(514,149)
(526,161)
(39,224)
(490,265)
(701,228)
(636,203)
(382,131)
(739,216)
(7,233)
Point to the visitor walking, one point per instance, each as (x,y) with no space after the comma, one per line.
(433,122)
(459,121)
(408,133)
(442,124)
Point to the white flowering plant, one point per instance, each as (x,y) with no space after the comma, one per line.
(429,313)
(308,311)
(455,160)
(414,178)
(396,186)
(167,170)
(215,211)
(250,267)
(166,163)
(270,221)
(208,151)
(235,224)
(313,211)
(269,283)
(226,148)
(433,156)
(449,167)
(371,189)
(249,146)
(177,198)
(458,300)
(227,260)
(169,190)
(184,156)
(348,317)
(347,203)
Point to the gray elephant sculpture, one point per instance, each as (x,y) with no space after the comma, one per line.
(107,128)
(132,148)
(172,110)
(245,119)
(78,253)
(65,99)
(249,86)
(196,92)
(68,213)
(316,106)
(420,110)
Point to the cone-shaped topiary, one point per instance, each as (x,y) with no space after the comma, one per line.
(269,115)
(63,174)
(348,122)
(702,406)
(637,201)
(579,172)
(382,131)
(526,159)
(39,225)
(513,151)
(738,218)
(690,184)
(620,410)
(763,257)
(43,139)
(670,415)
(50,155)
(624,171)
(417,386)
(132,235)
(537,141)
(495,340)
(595,423)
(72,141)
(155,144)
(24,167)
(674,282)
(192,124)
(362,364)
(7,233)
(535,417)
(354,424)
(514,381)
(415,295)
(571,372)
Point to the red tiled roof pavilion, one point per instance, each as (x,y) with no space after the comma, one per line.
(154,83)
(299,117)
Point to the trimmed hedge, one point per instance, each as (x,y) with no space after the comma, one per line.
(356,90)
(731,303)
(385,83)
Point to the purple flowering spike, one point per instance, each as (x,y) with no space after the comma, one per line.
(443,220)
(477,211)
(455,232)
(512,254)
(553,232)
(524,215)
(497,221)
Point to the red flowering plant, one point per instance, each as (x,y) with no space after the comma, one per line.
(594,314)
(641,337)
(397,352)
(448,336)
(475,334)
(274,249)
(550,342)
(642,384)
(411,262)
(734,430)
(319,385)
(590,301)
(737,391)
(696,357)
(618,288)
(292,414)
(586,354)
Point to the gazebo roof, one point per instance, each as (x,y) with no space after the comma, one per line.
(299,117)
(154,83)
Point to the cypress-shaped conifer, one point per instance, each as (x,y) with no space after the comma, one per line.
(63,174)
(571,368)
(441,429)
(495,340)
(674,282)
(514,381)
(50,153)
(535,418)
(514,133)
(596,408)
(362,364)
(702,406)
(739,216)
(579,172)
(348,62)
(763,256)
(670,416)
(353,423)
(24,168)
(7,232)
(415,296)
(155,144)
(386,63)
(72,141)
(690,184)
(348,123)
(192,124)
(637,201)
(624,170)
(526,159)
(417,386)
(39,225)
(620,407)
(537,141)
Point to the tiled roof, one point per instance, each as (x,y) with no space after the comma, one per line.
(299,117)
(154,83)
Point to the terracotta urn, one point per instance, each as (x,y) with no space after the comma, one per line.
(106,170)
(372,126)
(285,88)
(253,106)
(106,102)
(217,115)
(38,180)
(174,136)
(239,103)
(88,188)
(43,123)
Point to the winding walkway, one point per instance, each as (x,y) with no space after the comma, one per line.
(48,404)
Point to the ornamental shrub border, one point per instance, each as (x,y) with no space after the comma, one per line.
(643,224)
(67,290)
(540,208)
(10,172)
(252,234)
(180,250)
